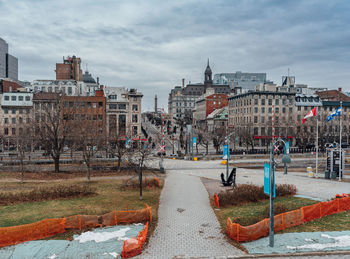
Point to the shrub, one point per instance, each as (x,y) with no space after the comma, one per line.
(135,184)
(44,193)
(244,193)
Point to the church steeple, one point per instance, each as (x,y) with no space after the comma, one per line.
(208,75)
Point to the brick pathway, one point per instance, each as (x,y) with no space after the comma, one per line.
(187,225)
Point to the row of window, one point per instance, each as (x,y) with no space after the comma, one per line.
(82,104)
(13,131)
(14,110)
(82,117)
(13,120)
(14,98)
(57,89)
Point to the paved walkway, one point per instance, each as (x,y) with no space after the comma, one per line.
(187,225)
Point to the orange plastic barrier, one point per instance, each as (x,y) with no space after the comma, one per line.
(38,230)
(216,200)
(133,246)
(50,227)
(286,220)
(156,180)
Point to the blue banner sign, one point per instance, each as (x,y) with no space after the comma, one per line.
(225,152)
(194,141)
(267,169)
(287,147)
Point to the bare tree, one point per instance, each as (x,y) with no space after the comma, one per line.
(117,148)
(218,138)
(89,136)
(141,154)
(24,141)
(51,127)
(204,139)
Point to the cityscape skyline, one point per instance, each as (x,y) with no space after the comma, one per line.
(152,46)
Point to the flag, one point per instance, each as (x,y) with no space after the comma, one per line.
(337,112)
(312,113)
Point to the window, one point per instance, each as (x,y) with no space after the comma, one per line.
(112,106)
(6,131)
(135,107)
(262,129)
(290,109)
(112,97)
(94,105)
(263,110)
(27,98)
(135,99)
(270,101)
(255,119)
(100,117)
(13,98)
(28,111)
(255,109)
(6,120)
(13,131)
(134,118)
(305,108)
(7,98)
(56,89)
(71,104)
(270,110)
(284,109)
(262,101)
(100,104)
(256,131)
(277,110)
(77,104)
(284,101)
(290,101)
(277,101)
(13,120)
(69,90)
(122,106)
(89,104)
(299,108)
(28,120)
(94,117)
(82,104)
(65,104)
(49,89)
(20,98)
(63,89)
(262,119)
(256,101)
(13,111)
(20,120)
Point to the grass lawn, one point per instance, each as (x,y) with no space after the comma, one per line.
(108,198)
(251,213)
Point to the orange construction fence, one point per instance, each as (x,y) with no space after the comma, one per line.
(133,246)
(50,227)
(216,200)
(286,220)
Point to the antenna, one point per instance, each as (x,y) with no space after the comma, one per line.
(86,67)
(288,72)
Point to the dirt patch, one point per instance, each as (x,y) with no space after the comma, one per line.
(213,186)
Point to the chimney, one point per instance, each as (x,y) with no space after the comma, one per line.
(98,80)
(183,83)
(339,89)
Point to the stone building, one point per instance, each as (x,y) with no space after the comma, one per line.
(15,114)
(123,111)
(181,101)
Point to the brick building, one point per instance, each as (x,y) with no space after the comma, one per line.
(70,69)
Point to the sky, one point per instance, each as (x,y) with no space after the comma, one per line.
(152,44)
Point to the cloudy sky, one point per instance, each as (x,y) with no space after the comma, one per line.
(151,45)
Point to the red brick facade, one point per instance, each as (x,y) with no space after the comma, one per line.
(214,102)
(8,86)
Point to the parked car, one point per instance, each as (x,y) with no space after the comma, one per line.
(310,145)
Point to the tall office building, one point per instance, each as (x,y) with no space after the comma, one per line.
(8,63)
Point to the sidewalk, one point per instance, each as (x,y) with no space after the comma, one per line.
(187,225)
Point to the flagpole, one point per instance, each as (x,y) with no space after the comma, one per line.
(316,143)
(340,155)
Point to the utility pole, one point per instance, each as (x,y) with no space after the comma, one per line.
(272,165)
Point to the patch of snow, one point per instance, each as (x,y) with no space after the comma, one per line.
(102,236)
(308,240)
(340,241)
(114,254)
(52,256)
